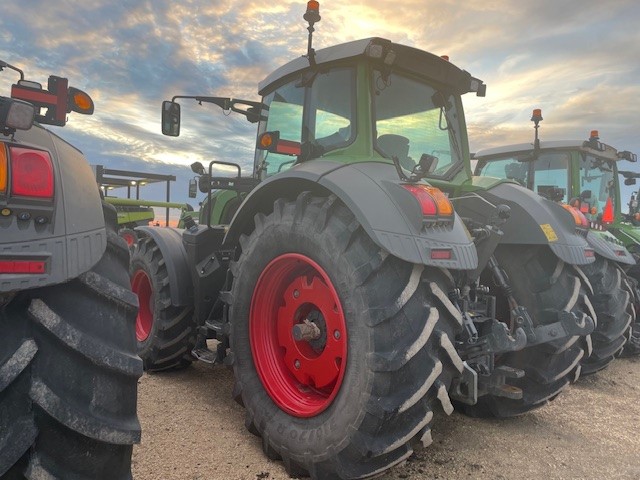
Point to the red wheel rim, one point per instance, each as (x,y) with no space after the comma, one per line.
(141,286)
(302,377)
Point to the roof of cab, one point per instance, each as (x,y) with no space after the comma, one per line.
(416,61)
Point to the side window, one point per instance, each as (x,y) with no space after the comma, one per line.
(509,168)
(284,115)
(331,109)
(552,171)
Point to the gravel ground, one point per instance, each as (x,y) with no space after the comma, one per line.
(193,430)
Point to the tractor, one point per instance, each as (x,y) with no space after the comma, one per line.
(68,363)
(584,174)
(344,290)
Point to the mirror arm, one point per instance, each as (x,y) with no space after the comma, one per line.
(227,104)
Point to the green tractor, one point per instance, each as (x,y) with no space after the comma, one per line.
(68,363)
(584,174)
(345,291)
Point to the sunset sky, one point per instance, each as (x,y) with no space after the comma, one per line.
(578,60)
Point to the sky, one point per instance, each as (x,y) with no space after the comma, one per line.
(577,60)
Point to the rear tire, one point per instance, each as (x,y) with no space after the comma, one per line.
(397,340)
(613,306)
(632,347)
(544,285)
(166,334)
(69,373)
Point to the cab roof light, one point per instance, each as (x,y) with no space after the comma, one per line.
(31,173)
(537,115)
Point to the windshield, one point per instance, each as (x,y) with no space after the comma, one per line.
(596,177)
(413,119)
(548,175)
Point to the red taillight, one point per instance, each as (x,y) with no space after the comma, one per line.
(31,173)
(441,254)
(426,201)
(607,213)
(589,253)
(22,266)
(433,201)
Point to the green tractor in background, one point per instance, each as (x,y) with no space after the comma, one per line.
(352,301)
(584,174)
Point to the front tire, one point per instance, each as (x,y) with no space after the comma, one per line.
(68,375)
(351,402)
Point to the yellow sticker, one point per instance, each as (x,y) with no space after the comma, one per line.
(549,232)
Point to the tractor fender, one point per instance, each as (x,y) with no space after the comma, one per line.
(534,220)
(174,254)
(389,214)
(609,247)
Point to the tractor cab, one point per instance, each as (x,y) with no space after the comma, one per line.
(583,174)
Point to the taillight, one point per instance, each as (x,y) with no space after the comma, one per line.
(433,202)
(578,216)
(23,266)
(31,173)
(4,166)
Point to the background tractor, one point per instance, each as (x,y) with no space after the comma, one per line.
(68,364)
(583,175)
(344,290)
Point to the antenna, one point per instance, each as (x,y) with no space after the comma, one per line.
(536,118)
(312,16)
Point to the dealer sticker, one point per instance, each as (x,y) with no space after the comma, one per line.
(549,232)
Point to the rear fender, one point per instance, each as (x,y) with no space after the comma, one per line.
(534,220)
(174,254)
(609,247)
(371,190)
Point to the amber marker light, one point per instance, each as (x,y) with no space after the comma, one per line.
(266,140)
(79,102)
(4,174)
(594,134)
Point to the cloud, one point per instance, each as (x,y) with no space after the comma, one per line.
(577,60)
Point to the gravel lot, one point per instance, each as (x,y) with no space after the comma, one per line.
(193,430)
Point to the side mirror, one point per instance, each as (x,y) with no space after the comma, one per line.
(170,118)
(193,187)
(198,168)
(16,114)
(629,181)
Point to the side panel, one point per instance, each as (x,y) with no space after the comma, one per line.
(169,240)
(371,190)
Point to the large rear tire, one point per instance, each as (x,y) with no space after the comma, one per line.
(612,303)
(69,374)
(351,402)
(545,286)
(166,334)
(632,283)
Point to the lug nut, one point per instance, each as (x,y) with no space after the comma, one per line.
(296,294)
(336,334)
(297,364)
